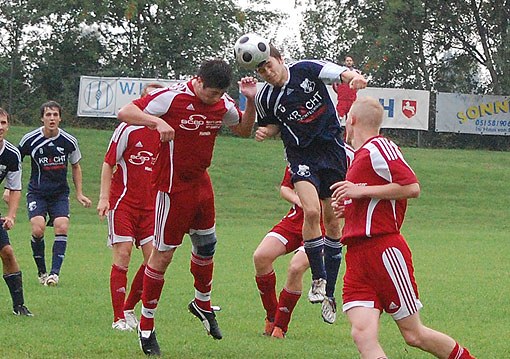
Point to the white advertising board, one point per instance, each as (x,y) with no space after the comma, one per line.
(475,114)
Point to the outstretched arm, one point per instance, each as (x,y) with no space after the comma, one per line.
(390,191)
(133,115)
(248,87)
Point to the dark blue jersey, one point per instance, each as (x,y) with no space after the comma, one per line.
(302,108)
(49,158)
(10,166)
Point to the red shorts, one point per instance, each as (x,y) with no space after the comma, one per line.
(289,234)
(127,224)
(187,210)
(379,274)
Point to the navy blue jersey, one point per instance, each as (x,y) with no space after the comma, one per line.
(49,158)
(302,108)
(10,166)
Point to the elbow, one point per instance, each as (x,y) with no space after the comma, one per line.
(414,191)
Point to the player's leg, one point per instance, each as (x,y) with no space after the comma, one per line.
(58,210)
(439,344)
(121,251)
(364,331)
(143,223)
(312,237)
(203,238)
(12,275)
(37,210)
(61,226)
(270,248)
(135,291)
(291,293)
(332,259)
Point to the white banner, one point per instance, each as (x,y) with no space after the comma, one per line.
(476,114)
(104,96)
(403,108)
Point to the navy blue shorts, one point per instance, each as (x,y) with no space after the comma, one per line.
(54,207)
(321,163)
(4,237)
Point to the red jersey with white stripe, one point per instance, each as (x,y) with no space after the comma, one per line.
(133,149)
(196,126)
(378,162)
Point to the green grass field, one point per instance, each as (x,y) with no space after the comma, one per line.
(458,231)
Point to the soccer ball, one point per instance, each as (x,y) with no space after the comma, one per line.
(251,50)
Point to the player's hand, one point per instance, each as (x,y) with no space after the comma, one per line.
(343,190)
(338,209)
(358,82)
(103,207)
(85,202)
(248,87)
(7,222)
(166,132)
(261,134)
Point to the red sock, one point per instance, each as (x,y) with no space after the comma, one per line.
(266,284)
(135,292)
(118,282)
(202,270)
(459,352)
(286,305)
(153,282)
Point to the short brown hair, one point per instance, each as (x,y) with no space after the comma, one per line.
(150,85)
(4,113)
(51,104)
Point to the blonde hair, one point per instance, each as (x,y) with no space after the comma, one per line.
(368,111)
(150,87)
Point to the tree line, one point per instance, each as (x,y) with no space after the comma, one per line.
(449,46)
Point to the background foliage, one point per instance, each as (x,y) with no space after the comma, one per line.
(449,46)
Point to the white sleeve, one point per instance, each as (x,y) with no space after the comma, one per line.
(332,72)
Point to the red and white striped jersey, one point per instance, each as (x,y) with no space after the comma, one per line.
(196,126)
(378,162)
(133,149)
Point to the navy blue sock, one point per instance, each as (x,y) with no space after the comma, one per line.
(332,260)
(38,253)
(59,252)
(15,284)
(314,252)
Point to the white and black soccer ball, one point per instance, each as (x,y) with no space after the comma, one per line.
(251,50)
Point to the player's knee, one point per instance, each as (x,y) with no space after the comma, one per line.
(413,338)
(297,269)
(6,253)
(312,215)
(204,245)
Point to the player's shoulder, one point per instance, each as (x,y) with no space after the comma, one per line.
(31,135)
(11,150)
(66,136)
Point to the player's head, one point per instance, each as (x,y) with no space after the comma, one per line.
(349,61)
(213,79)
(50,114)
(148,88)
(273,70)
(4,123)
(366,114)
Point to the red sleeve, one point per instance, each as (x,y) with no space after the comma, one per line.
(287,179)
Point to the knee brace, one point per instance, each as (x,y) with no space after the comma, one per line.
(203,245)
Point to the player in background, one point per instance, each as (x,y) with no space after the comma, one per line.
(127,199)
(10,170)
(295,104)
(188,117)
(51,149)
(379,270)
(345,94)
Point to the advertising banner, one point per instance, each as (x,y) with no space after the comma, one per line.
(475,114)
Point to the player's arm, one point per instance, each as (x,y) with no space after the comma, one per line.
(248,87)
(290,195)
(103,205)
(12,204)
(133,115)
(266,132)
(390,191)
(354,79)
(78,181)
